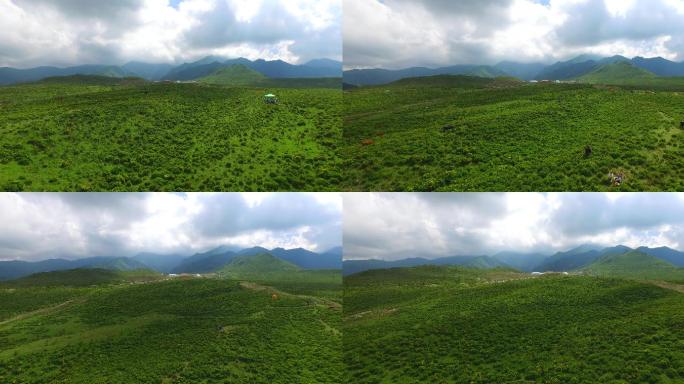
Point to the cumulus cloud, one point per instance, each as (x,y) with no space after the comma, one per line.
(401,33)
(69,32)
(396,226)
(38,226)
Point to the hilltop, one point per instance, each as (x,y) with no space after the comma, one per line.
(237,74)
(448,324)
(276,69)
(586,257)
(603,68)
(616,72)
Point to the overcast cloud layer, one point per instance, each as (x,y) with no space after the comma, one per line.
(402,33)
(72,225)
(396,226)
(69,32)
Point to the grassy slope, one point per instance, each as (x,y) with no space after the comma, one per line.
(234,75)
(241,76)
(616,73)
(82,278)
(516,138)
(73,136)
(635,265)
(208,331)
(458,326)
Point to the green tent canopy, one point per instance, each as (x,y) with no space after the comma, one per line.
(271,99)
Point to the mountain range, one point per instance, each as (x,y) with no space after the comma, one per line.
(572,69)
(576,259)
(319,68)
(205,262)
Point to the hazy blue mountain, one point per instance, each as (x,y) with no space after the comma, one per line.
(309,260)
(16,269)
(664,253)
(325,63)
(160,262)
(660,66)
(214,259)
(351,267)
(523,71)
(146,70)
(14,76)
(578,257)
(525,262)
(205,262)
(384,76)
(271,69)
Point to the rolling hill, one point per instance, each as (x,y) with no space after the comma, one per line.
(83,277)
(16,269)
(576,258)
(383,76)
(664,253)
(635,265)
(172,331)
(575,68)
(235,75)
(188,71)
(256,267)
(454,325)
(351,267)
(615,73)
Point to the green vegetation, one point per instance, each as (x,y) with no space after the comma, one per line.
(83,278)
(616,72)
(272,271)
(193,330)
(635,265)
(472,134)
(453,325)
(102,134)
(233,75)
(240,75)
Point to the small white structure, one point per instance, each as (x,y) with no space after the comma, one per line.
(537,273)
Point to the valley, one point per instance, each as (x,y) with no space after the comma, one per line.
(260,319)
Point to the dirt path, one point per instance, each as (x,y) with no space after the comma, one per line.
(41,311)
(666,285)
(312,300)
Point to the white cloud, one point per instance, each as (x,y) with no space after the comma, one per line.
(37,226)
(396,226)
(402,33)
(68,32)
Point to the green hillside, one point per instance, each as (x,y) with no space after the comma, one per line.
(249,266)
(635,265)
(176,331)
(616,73)
(83,278)
(453,134)
(234,75)
(272,271)
(119,135)
(451,325)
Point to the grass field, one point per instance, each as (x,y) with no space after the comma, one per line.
(451,325)
(179,331)
(94,134)
(469,134)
